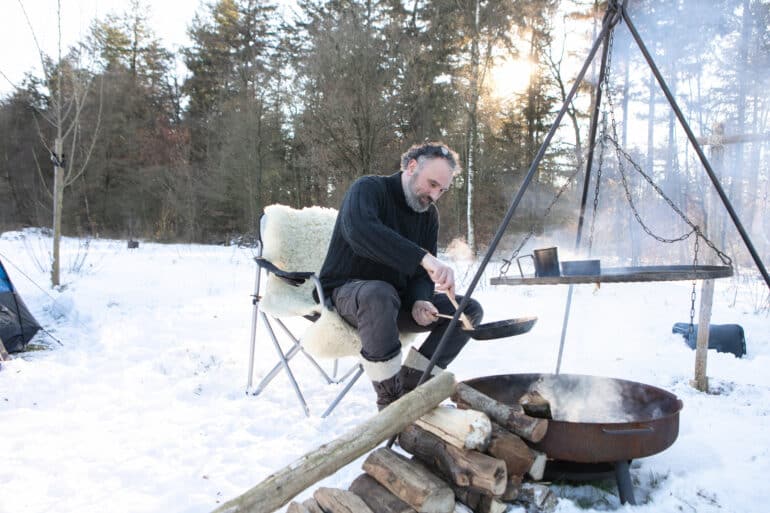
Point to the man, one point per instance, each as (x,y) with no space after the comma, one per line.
(382,273)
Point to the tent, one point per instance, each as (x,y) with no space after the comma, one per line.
(17,325)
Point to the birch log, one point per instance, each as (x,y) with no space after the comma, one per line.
(465,468)
(281,487)
(511,417)
(465,429)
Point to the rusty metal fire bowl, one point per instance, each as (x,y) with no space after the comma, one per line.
(595,419)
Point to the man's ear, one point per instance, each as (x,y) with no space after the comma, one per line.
(410,167)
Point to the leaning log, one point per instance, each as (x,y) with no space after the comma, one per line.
(333,500)
(377,497)
(410,481)
(511,417)
(465,468)
(465,429)
(279,488)
(512,450)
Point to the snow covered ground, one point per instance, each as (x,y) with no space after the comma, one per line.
(142,406)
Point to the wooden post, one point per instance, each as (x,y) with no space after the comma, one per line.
(700,381)
(281,487)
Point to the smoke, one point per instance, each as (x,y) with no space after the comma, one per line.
(459,251)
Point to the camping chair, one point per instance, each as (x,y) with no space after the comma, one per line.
(291,250)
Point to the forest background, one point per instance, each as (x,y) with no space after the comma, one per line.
(292,108)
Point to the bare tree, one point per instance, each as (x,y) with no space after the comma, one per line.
(70,87)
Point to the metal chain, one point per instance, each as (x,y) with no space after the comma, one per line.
(621,155)
(691,328)
(596,189)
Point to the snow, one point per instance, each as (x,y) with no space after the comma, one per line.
(141,408)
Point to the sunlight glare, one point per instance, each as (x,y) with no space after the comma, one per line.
(510,76)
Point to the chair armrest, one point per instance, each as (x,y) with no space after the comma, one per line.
(292,278)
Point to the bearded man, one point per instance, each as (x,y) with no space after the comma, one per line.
(382,272)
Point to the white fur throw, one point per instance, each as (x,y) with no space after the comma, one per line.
(297,241)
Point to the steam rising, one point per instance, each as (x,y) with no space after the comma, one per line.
(584,400)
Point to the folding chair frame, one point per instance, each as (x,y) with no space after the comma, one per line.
(295,278)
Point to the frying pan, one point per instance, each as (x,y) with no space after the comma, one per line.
(492,330)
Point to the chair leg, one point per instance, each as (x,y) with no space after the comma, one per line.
(297,344)
(285,363)
(358,371)
(274,371)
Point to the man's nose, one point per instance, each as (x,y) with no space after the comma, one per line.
(436,194)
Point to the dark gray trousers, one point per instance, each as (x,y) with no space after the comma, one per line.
(374,307)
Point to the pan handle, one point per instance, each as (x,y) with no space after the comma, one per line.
(629,431)
(518,262)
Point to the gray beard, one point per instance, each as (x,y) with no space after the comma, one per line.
(413,201)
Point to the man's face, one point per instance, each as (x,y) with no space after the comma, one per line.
(426,182)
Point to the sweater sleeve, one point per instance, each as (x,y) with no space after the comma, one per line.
(368,236)
(420,286)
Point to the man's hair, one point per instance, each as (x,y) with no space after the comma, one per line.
(431,150)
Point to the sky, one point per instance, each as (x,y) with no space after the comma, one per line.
(169,20)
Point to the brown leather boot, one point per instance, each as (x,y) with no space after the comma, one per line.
(386,379)
(413,368)
(388,390)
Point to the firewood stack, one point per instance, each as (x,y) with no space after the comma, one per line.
(472,458)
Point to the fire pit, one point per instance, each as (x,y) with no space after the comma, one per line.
(599,423)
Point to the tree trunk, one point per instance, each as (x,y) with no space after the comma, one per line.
(410,481)
(279,488)
(511,417)
(58,199)
(465,468)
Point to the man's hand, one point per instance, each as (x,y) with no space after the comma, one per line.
(441,274)
(424,312)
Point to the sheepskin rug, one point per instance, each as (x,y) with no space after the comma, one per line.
(297,240)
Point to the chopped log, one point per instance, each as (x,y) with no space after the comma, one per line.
(535,405)
(409,481)
(511,417)
(538,497)
(538,466)
(333,500)
(469,469)
(281,487)
(479,502)
(465,429)
(296,507)
(312,506)
(377,497)
(511,488)
(512,450)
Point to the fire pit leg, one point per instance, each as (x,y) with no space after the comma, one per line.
(625,487)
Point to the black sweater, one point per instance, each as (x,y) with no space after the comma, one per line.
(377,236)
